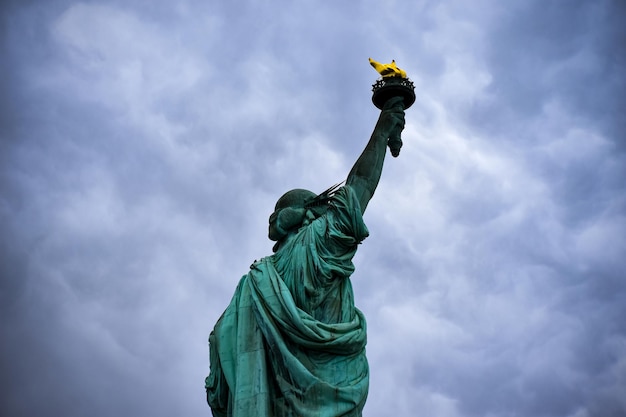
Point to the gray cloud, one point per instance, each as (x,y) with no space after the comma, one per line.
(142,149)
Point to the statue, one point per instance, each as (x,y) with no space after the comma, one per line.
(291,342)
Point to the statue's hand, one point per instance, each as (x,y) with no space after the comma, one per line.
(391,123)
(394,102)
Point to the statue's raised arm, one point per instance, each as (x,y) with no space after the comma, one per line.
(365,174)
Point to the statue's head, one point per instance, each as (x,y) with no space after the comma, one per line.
(296,199)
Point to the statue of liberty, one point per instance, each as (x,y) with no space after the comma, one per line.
(292,343)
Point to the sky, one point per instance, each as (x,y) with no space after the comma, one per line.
(145,143)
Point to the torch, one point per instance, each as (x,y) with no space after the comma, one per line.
(393,83)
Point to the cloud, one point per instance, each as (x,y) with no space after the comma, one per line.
(143,149)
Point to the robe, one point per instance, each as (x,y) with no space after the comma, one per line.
(291,343)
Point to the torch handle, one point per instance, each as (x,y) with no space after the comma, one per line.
(395,141)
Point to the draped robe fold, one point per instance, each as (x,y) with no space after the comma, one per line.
(291,342)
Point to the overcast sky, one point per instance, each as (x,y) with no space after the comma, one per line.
(145,143)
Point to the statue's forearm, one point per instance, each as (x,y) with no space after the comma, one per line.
(365,174)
